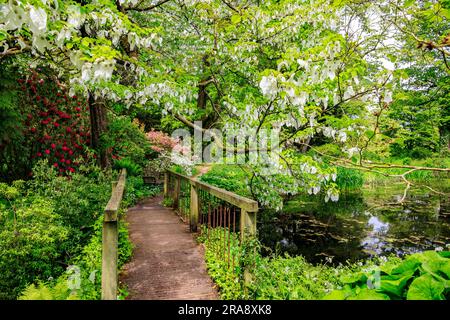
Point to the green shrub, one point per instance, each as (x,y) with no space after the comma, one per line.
(349,179)
(228,177)
(31,244)
(126,139)
(79,201)
(133,169)
(85,267)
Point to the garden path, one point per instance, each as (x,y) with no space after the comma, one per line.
(167,262)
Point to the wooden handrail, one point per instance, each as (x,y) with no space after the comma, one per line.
(246,204)
(249,207)
(110,240)
(116,197)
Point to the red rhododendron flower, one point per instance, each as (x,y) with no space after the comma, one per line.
(57,111)
(71,169)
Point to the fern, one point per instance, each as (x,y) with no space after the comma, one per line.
(43,291)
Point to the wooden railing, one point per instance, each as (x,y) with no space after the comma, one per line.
(173,188)
(110,240)
(222,214)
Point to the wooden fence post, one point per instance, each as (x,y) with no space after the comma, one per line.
(109,260)
(166,184)
(176,193)
(110,240)
(247,223)
(248,227)
(194,207)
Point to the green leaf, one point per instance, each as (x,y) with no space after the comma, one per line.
(336,295)
(394,285)
(3,35)
(434,263)
(426,288)
(368,294)
(445,254)
(354,278)
(235,19)
(411,263)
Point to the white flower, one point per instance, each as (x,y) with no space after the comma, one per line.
(302,63)
(300,100)
(349,93)
(388,97)
(331,195)
(342,137)
(75,18)
(14,16)
(40,43)
(103,70)
(329,132)
(4,11)
(268,86)
(62,35)
(38,20)
(75,58)
(86,71)
(352,151)
(331,74)
(388,65)
(132,40)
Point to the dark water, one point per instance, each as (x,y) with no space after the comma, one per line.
(360,225)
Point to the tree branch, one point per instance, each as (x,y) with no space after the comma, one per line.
(151,7)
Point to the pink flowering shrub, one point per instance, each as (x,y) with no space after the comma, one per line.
(161,142)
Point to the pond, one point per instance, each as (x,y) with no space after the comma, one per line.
(360,225)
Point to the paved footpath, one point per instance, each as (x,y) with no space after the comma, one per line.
(167,263)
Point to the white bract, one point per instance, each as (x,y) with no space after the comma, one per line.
(268,86)
(38,20)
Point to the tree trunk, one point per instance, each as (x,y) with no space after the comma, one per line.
(305,147)
(201,98)
(99,122)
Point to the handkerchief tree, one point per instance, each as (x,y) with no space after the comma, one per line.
(318,72)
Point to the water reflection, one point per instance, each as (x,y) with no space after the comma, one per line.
(373,242)
(358,226)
